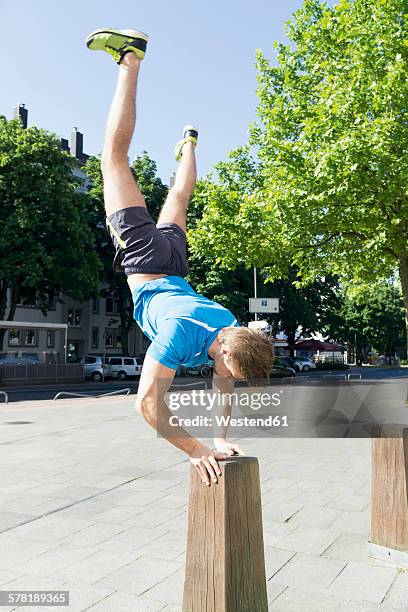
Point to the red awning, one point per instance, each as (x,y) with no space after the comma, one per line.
(317,345)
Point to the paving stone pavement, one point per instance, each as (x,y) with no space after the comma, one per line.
(91,501)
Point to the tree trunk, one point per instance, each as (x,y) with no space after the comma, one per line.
(126,320)
(290,334)
(403,274)
(3,306)
(15,294)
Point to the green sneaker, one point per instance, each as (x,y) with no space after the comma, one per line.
(118,42)
(190,134)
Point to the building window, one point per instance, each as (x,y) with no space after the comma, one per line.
(118,338)
(30,337)
(95,338)
(14,337)
(28,298)
(108,337)
(112,306)
(74,317)
(109,305)
(95,305)
(50,339)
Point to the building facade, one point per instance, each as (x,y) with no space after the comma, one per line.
(93,326)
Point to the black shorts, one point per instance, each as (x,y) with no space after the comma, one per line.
(142,247)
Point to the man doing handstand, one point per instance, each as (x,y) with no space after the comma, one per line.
(184,327)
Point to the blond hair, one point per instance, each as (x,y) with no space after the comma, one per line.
(251,352)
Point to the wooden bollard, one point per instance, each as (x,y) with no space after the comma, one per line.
(225,565)
(389,504)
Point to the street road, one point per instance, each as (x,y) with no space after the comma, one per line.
(43,392)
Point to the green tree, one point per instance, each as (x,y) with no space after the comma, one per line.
(46,245)
(306,310)
(145,172)
(303,310)
(374,316)
(329,183)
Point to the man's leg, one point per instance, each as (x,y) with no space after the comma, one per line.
(120,188)
(176,204)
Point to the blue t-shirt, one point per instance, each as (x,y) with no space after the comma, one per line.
(181,323)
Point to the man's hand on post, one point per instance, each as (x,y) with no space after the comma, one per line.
(229,448)
(205,462)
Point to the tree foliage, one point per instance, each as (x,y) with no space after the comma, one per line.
(46,244)
(372,317)
(322,186)
(303,310)
(145,172)
(307,309)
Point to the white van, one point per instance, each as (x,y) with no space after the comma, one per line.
(124,367)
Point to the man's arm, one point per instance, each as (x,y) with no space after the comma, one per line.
(223,407)
(155,381)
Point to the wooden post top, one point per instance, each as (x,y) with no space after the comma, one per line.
(388,428)
(238,459)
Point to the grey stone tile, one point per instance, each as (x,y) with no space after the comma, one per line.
(156,516)
(140,575)
(274,483)
(16,553)
(362,582)
(58,530)
(140,498)
(315,497)
(94,534)
(12,519)
(273,531)
(123,602)
(297,600)
(87,509)
(6,540)
(315,516)
(397,596)
(78,492)
(95,567)
(49,562)
(174,501)
(179,525)
(275,558)
(353,522)
(280,511)
(349,502)
(169,546)
(7,576)
(118,514)
(25,582)
(132,539)
(309,540)
(349,547)
(274,590)
(169,590)
(307,572)
(82,597)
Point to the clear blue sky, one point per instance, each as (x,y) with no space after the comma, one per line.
(199,68)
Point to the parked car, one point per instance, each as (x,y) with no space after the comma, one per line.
(23,360)
(281,373)
(304,364)
(283,363)
(94,368)
(124,367)
(290,363)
